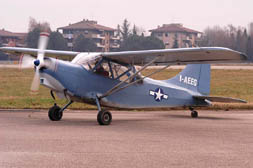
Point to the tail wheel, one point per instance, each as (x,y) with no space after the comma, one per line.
(104,117)
(55,113)
(194,114)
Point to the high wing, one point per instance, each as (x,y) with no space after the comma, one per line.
(178,56)
(159,57)
(220,99)
(33,52)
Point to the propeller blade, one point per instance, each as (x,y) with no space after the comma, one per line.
(43,40)
(39,62)
(26,61)
(42,45)
(36,81)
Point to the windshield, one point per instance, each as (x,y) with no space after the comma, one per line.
(87,60)
(110,69)
(107,68)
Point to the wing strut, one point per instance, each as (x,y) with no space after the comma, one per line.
(109,92)
(114,90)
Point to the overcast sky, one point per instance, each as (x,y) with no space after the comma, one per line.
(196,14)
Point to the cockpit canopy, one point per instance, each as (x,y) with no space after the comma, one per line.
(96,63)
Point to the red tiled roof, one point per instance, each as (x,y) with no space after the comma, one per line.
(174,28)
(20,34)
(5,33)
(87,25)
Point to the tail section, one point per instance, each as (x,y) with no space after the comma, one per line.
(195,77)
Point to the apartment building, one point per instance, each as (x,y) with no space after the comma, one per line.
(11,39)
(168,33)
(104,37)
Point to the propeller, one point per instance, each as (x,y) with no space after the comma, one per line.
(39,62)
(26,61)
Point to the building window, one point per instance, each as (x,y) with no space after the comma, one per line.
(159,34)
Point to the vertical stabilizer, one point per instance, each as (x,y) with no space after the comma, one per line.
(195,77)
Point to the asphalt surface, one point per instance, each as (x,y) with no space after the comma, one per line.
(134,139)
(219,67)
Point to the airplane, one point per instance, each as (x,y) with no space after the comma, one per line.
(111,79)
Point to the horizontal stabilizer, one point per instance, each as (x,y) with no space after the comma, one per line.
(220,99)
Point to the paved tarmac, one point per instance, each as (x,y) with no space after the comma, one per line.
(134,139)
(219,67)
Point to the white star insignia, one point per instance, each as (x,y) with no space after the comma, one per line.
(158,95)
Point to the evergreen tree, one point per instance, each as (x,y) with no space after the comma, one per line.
(118,30)
(57,42)
(135,43)
(250,48)
(32,38)
(153,43)
(134,30)
(3,56)
(238,39)
(125,29)
(244,41)
(82,44)
(175,44)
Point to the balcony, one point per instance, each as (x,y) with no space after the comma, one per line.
(115,37)
(100,45)
(70,44)
(114,45)
(99,36)
(68,36)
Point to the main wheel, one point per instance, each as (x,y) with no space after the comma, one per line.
(54,113)
(104,117)
(194,114)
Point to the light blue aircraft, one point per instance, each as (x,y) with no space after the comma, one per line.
(111,79)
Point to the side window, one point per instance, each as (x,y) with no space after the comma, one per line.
(106,68)
(102,68)
(120,72)
(112,70)
(90,65)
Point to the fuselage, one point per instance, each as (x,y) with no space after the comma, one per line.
(81,85)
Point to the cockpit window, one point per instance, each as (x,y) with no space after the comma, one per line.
(101,69)
(104,67)
(88,61)
(112,70)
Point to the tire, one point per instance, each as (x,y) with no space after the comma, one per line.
(194,114)
(54,113)
(104,117)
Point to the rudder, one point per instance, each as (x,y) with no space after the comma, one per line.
(195,77)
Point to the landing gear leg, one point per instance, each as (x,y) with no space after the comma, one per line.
(55,113)
(194,114)
(104,117)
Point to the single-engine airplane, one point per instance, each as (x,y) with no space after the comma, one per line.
(110,79)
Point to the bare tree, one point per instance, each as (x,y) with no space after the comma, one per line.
(251,29)
(229,36)
(43,26)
